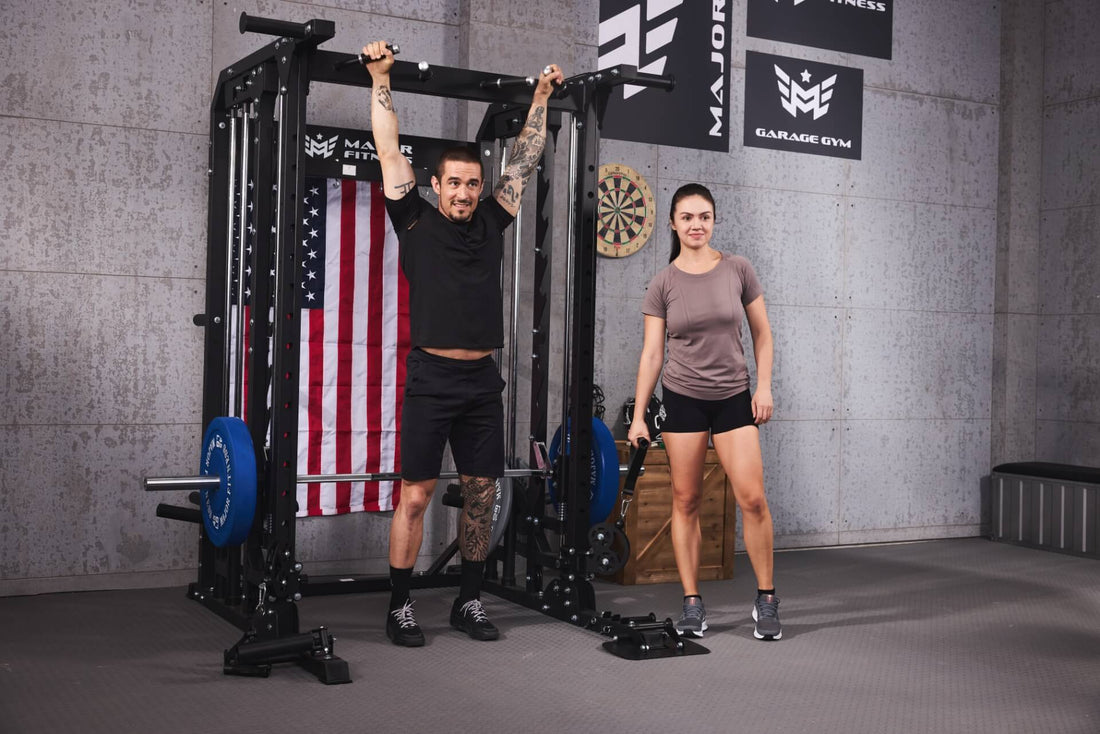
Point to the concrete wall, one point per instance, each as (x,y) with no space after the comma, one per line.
(879,274)
(1067,390)
(878,277)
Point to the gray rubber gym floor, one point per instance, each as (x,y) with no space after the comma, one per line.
(944,636)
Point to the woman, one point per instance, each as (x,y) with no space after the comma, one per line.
(698,301)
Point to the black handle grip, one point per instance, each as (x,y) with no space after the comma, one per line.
(186,514)
(504,82)
(634,469)
(361,59)
(271,27)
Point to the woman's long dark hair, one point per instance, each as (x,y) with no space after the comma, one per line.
(691,189)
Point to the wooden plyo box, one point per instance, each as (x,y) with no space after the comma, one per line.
(649,522)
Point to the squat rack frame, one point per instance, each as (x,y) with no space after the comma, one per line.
(259,104)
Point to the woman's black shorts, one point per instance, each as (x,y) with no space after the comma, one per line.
(452,400)
(685,414)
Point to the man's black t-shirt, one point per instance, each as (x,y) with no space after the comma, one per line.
(453,271)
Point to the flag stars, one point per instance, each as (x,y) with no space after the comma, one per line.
(313,212)
(313,233)
(312,275)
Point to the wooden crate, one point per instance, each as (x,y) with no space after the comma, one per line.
(649,521)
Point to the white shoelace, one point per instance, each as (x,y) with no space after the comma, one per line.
(474,609)
(404,616)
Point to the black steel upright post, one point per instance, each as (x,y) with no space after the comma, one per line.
(535,496)
(216,319)
(577,467)
(282,570)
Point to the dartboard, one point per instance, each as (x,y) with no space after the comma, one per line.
(626,212)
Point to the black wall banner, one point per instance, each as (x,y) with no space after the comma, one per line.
(688,39)
(862,27)
(803,106)
(334,152)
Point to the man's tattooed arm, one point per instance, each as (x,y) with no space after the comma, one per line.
(382,94)
(525,155)
(397,174)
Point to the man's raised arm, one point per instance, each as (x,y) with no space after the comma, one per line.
(397,174)
(527,149)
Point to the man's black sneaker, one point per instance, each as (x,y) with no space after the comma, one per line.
(401,627)
(470,617)
(765,612)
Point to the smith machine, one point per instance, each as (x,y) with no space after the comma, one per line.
(248,570)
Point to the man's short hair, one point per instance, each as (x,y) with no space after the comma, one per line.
(462,154)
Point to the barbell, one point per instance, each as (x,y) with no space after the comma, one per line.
(227,484)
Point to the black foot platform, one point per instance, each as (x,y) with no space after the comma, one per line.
(314,651)
(644,638)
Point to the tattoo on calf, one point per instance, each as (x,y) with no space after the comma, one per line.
(477,517)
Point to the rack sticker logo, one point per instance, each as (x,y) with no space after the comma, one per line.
(825,118)
(323,148)
(688,41)
(797,99)
(864,27)
(627,26)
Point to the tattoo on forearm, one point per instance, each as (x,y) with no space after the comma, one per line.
(537,119)
(506,189)
(525,155)
(477,517)
(382,93)
(404,188)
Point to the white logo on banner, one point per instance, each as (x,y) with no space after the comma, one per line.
(323,148)
(797,99)
(878,5)
(627,25)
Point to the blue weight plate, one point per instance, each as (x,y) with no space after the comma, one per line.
(603,480)
(605,486)
(502,512)
(227,453)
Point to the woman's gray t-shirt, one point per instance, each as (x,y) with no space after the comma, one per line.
(703,315)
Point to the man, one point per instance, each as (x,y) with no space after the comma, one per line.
(451,256)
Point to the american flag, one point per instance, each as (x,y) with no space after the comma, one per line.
(355,337)
(354,340)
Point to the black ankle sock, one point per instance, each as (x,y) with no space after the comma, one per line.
(693,596)
(400,579)
(469,586)
(761,592)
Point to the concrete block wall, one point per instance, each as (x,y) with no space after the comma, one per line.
(1067,343)
(879,274)
(879,282)
(103,112)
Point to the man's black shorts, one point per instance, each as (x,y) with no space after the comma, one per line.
(454,400)
(684,414)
